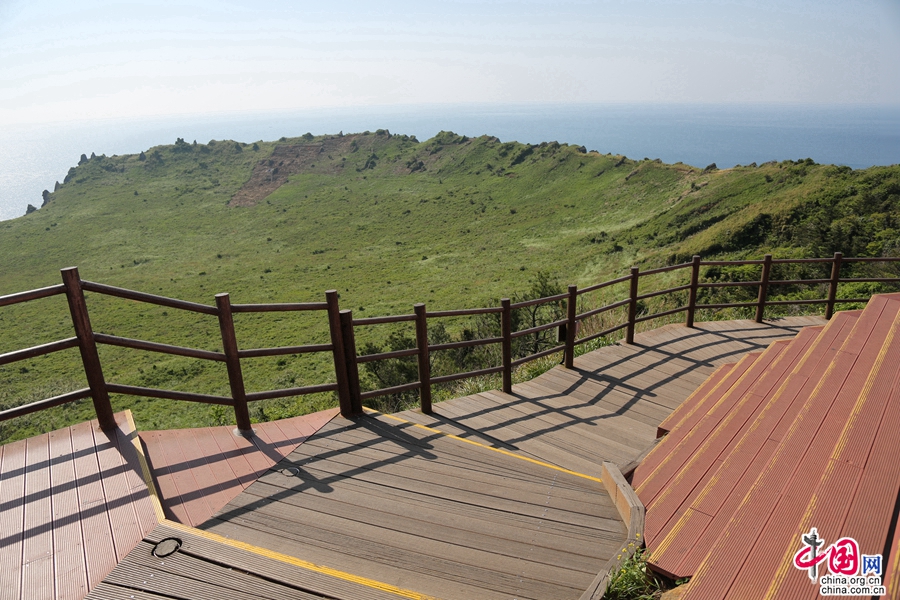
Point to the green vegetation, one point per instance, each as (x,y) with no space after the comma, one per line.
(387,221)
(634,581)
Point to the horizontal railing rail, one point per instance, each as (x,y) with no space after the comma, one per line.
(530,340)
(110,290)
(30,295)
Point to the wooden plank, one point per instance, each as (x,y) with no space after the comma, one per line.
(270,568)
(688,541)
(174,586)
(573,437)
(370,527)
(12,517)
(552,439)
(207,497)
(781,526)
(232,451)
(160,454)
(435,517)
(109,591)
(656,364)
(100,553)
(594,401)
(126,530)
(70,578)
(450,426)
(37,546)
(287,433)
(856,480)
(694,401)
(675,458)
(891,565)
(555,423)
(187,577)
(622,399)
(140,494)
(352,485)
(387,568)
(731,428)
(761,511)
(260,456)
(355,456)
(270,447)
(653,369)
(231,473)
(433,576)
(536,447)
(329,473)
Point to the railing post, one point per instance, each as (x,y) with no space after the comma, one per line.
(763,288)
(692,294)
(233,365)
(506,345)
(337,348)
(355,406)
(632,305)
(88,347)
(832,287)
(571,312)
(424,360)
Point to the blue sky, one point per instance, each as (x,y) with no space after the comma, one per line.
(64,61)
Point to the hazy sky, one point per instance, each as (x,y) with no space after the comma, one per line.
(90,59)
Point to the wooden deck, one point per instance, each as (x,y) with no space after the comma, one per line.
(498,497)
(610,405)
(414,508)
(208,567)
(72,504)
(198,471)
(801,436)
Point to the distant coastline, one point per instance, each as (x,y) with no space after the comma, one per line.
(33,157)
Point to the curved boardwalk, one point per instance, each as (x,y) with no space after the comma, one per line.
(376,507)
(609,406)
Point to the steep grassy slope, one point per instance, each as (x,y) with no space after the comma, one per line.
(388,221)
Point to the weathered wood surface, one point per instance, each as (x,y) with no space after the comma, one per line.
(609,406)
(72,503)
(374,498)
(209,569)
(831,465)
(198,471)
(414,508)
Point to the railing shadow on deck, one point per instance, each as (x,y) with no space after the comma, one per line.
(342,325)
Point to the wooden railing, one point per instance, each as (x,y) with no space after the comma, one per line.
(342,328)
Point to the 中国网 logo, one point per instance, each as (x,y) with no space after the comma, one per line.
(849,573)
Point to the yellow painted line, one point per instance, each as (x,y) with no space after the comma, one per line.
(161,517)
(841,443)
(480,445)
(145,469)
(663,466)
(284,558)
(687,517)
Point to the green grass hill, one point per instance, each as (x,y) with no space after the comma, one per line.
(388,221)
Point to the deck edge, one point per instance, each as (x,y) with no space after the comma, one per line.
(632,512)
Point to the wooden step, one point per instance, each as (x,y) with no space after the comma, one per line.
(857,494)
(681,453)
(703,464)
(659,454)
(682,550)
(694,401)
(751,548)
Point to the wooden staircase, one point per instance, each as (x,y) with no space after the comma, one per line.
(801,435)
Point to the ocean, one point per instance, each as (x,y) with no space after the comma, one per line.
(34,157)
